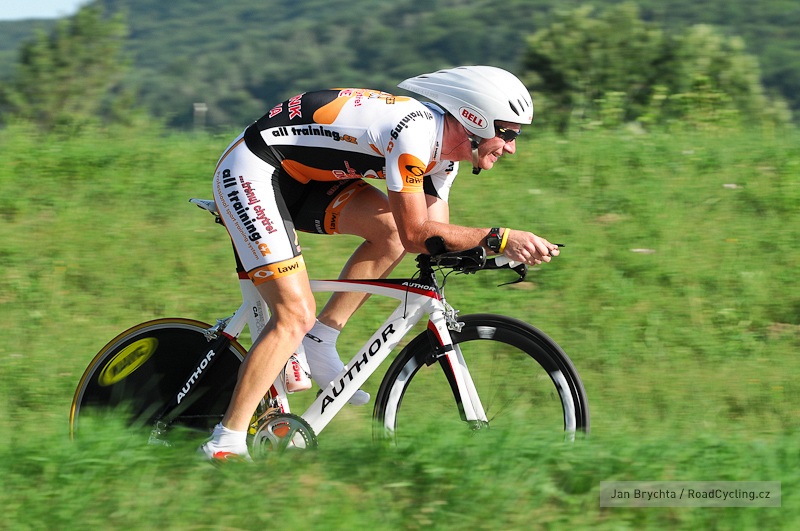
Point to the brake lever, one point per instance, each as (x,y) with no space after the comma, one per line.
(519,269)
(503,262)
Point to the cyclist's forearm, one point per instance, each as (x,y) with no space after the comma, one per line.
(415,225)
(456,237)
(520,246)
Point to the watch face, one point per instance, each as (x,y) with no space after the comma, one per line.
(493,241)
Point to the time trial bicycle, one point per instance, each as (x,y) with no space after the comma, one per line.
(477,370)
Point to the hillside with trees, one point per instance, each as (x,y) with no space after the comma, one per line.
(239,58)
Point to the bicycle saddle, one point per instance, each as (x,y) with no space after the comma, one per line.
(206,204)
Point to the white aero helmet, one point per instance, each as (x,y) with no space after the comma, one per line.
(477,96)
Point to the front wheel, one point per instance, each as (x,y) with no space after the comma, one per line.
(522,378)
(143,370)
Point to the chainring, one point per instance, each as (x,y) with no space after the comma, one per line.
(277,432)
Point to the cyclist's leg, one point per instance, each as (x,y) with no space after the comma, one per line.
(292,308)
(249,200)
(343,207)
(366,215)
(358,209)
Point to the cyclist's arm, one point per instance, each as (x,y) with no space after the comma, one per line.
(410,212)
(438,209)
(414,226)
(407,160)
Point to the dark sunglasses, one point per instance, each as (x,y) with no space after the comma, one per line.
(508,135)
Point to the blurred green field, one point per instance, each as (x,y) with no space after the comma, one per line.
(676,297)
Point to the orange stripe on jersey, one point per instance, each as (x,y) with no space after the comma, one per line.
(303,173)
(327,114)
(278,270)
(411,169)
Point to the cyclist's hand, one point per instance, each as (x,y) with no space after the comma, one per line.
(529,248)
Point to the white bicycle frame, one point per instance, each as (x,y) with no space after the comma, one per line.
(416,301)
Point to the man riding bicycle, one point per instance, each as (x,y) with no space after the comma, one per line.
(302,167)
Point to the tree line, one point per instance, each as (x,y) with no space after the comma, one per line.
(587,67)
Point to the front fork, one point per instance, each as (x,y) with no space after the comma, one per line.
(452,361)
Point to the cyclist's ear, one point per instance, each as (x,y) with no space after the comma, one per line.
(435,245)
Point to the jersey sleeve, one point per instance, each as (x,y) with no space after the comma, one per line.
(442,176)
(407,145)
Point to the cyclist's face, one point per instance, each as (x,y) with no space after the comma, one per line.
(491,149)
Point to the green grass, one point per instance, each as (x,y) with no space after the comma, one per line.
(676,297)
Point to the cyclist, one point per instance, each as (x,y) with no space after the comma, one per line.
(302,167)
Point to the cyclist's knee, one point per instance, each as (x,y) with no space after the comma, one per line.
(391,244)
(385,234)
(291,302)
(394,245)
(307,316)
(297,315)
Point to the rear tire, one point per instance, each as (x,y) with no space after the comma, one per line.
(523,378)
(141,370)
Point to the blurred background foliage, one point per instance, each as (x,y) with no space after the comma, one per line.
(659,155)
(651,63)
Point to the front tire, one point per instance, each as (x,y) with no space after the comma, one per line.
(523,378)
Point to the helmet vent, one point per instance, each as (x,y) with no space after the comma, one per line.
(513,108)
